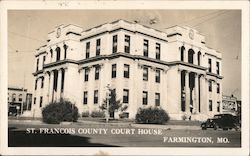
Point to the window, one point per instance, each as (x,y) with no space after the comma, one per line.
(158,51)
(114,44)
(145,48)
(182,53)
(157,76)
(98,47)
(126,71)
(44,59)
(41,101)
(218,88)
(97,72)
(37,64)
(85,97)
(95,96)
(190,56)
(34,100)
(36,84)
(145,98)
(199,58)
(14,97)
(218,68)
(42,84)
(210,105)
(210,86)
(87,49)
(20,97)
(125,95)
(127,44)
(86,74)
(209,65)
(51,53)
(218,106)
(157,99)
(145,73)
(113,71)
(58,52)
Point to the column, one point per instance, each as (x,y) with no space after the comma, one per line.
(196,94)
(62,53)
(59,85)
(195,57)
(185,55)
(187,92)
(46,89)
(51,86)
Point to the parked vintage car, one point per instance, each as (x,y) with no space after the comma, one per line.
(223,121)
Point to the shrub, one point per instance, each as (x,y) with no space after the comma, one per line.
(56,112)
(97,114)
(151,115)
(85,114)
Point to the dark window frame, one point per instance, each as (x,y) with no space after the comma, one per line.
(113,72)
(115,44)
(85,97)
(158,51)
(97,72)
(145,73)
(126,72)
(127,47)
(157,77)
(157,101)
(210,65)
(145,99)
(86,74)
(210,105)
(145,47)
(87,50)
(98,47)
(125,98)
(95,96)
(41,102)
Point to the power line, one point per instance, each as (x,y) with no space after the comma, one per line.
(24,36)
(211,18)
(196,18)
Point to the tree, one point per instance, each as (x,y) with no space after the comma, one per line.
(114,104)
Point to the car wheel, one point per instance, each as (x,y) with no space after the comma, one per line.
(216,126)
(204,128)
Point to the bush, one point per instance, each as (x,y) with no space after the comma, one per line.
(57,112)
(151,115)
(97,114)
(85,114)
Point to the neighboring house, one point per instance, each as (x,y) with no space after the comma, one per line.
(19,100)
(174,69)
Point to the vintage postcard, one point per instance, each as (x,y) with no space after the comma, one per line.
(124,78)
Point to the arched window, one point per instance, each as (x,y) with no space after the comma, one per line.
(182,53)
(51,53)
(65,50)
(58,51)
(199,58)
(190,56)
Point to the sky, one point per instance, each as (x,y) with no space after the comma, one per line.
(28,30)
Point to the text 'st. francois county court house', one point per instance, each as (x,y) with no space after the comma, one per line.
(174,69)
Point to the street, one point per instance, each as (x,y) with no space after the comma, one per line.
(87,135)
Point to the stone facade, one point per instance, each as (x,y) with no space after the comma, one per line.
(174,69)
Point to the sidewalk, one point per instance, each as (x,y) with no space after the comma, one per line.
(182,125)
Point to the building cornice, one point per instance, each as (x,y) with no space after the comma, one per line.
(215,75)
(124,29)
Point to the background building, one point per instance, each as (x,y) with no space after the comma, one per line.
(230,104)
(19,100)
(174,69)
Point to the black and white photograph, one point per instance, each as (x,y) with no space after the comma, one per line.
(114,78)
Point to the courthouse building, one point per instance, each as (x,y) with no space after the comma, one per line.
(172,69)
